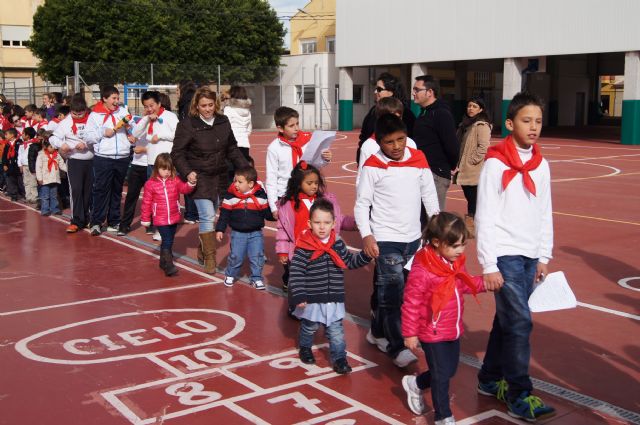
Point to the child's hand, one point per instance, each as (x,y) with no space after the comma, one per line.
(283,258)
(411,343)
(219,236)
(5,168)
(275,214)
(541,272)
(192,177)
(109,132)
(131,139)
(326,155)
(455,171)
(81,146)
(139,149)
(302,305)
(493,281)
(39,182)
(155,139)
(371,246)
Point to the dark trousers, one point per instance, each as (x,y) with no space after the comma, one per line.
(471,194)
(135,182)
(15,186)
(167,233)
(509,349)
(80,176)
(63,190)
(390,290)
(442,358)
(108,179)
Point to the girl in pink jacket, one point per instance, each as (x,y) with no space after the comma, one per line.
(432,311)
(161,200)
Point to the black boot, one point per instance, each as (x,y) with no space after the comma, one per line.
(169,268)
(163,261)
(306,355)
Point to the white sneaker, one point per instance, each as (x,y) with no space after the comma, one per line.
(156,236)
(189,222)
(228,281)
(259,285)
(112,229)
(381,343)
(405,358)
(414,394)
(96,230)
(447,421)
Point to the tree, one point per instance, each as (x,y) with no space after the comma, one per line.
(116,40)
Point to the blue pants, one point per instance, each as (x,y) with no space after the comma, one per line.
(167,233)
(334,333)
(207,213)
(389,290)
(442,358)
(509,350)
(108,179)
(243,244)
(49,199)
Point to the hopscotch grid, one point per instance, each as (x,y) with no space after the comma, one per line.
(165,365)
(241,350)
(246,414)
(329,416)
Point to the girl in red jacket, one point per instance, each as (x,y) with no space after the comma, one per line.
(161,200)
(432,311)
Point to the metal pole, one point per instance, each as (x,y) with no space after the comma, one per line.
(151,74)
(280,85)
(315,98)
(302,100)
(76,77)
(218,80)
(321,96)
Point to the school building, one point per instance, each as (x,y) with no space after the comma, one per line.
(560,50)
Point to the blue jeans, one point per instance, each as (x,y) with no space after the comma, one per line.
(243,244)
(167,233)
(49,199)
(442,359)
(389,290)
(509,350)
(334,333)
(207,213)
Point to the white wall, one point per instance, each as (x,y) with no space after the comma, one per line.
(411,31)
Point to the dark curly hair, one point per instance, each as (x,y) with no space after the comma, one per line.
(300,171)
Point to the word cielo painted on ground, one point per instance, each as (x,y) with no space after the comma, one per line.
(131,335)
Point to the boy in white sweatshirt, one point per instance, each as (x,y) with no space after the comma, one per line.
(393,183)
(515,238)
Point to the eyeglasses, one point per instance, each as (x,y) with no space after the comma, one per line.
(378,89)
(417,89)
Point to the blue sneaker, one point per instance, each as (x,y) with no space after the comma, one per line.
(497,389)
(529,407)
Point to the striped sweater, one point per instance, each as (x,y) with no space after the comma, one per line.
(320,280)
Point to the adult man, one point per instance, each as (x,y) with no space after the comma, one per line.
(435,134)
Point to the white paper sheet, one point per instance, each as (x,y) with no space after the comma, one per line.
(320,140)
(552,294)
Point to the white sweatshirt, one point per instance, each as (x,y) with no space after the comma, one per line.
(165,130)
(116,146)
(369,147)
(240,118)
(64,134)
(279,168)
(388,201)
(513,221)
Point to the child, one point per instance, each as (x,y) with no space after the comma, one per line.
(15,187)
(29,111)
(305,186)
(48,167)
(61,113)
(40,120)
(432,311)
(28,178)
(32,156)
(244,208)
(161,194)
(388,215)
(317,284)
(284,153)
(515,239)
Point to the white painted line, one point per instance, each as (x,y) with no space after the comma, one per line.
(341,177)
(332,415)
(166,366)
(246,414)
(610,311)
(241,350)
(616,171)
(487,415)
(239,379)
(345,167)
(14,210)
(592,158)
(122,408)
(609,146)
(625,283)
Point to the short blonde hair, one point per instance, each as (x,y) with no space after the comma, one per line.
(203,92)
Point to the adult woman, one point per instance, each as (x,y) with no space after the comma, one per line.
(387,85)
(474,133)
(203,143)
(237,110)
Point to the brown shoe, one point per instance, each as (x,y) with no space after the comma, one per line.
(208,242)
(72,228)
(468,221)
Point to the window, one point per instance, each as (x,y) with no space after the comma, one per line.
(331,44)
(15,35)
(358,94)
(309,95)
(271,98)
(308,46)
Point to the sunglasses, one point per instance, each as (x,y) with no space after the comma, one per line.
(378,89)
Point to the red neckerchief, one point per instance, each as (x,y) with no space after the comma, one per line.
(150,130)
(83,120)
(310,242)
(11,153)
(101,109)
(417,160)
(28,122)
(507,154)
(41,124)
(244,196)
(53,161)
(28,142)
(296,146)
(301,214)
(431,261)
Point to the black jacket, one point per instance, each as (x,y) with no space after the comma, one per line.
(13,169)
(435,135)
(34,149)
(241,214)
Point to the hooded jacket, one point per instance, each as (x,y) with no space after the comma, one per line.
(161,200)
(240,118)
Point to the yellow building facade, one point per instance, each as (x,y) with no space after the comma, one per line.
(313,28)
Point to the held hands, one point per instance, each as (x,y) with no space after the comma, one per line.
(155,139)
(455,171)
(302,305)
(64,149)
(219,236)
(411,343)
(371,246)
(109,132)
(81,146)
(493,281)
(541,272)
(39,182)
(192,177)
(283,259)
(275,214)
(131,139)
(326,155)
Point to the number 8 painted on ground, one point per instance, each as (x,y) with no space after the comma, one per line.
(192,393)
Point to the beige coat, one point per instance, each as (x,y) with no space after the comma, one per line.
(475,143)
(43,174)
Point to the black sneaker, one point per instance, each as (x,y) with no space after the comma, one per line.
(306,355)
(123,230)
(341,366)
(96,230)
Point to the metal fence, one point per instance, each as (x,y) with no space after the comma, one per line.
(25,94)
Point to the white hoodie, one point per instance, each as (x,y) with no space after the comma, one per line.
(240,118)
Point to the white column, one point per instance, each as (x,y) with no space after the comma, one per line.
(345,114)
(511,85)
(631,99)
(417,69)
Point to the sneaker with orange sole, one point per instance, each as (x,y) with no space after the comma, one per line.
(72,228)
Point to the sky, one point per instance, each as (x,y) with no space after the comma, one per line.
(287,7)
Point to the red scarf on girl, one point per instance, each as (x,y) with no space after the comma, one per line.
(82,120)
(507,154)
(430,260)
(101,109)
(417,160)
(296,146)
(53,161)
(301,215)
(150,130)
(310,242)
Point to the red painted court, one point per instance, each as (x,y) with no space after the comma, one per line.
(91,332)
